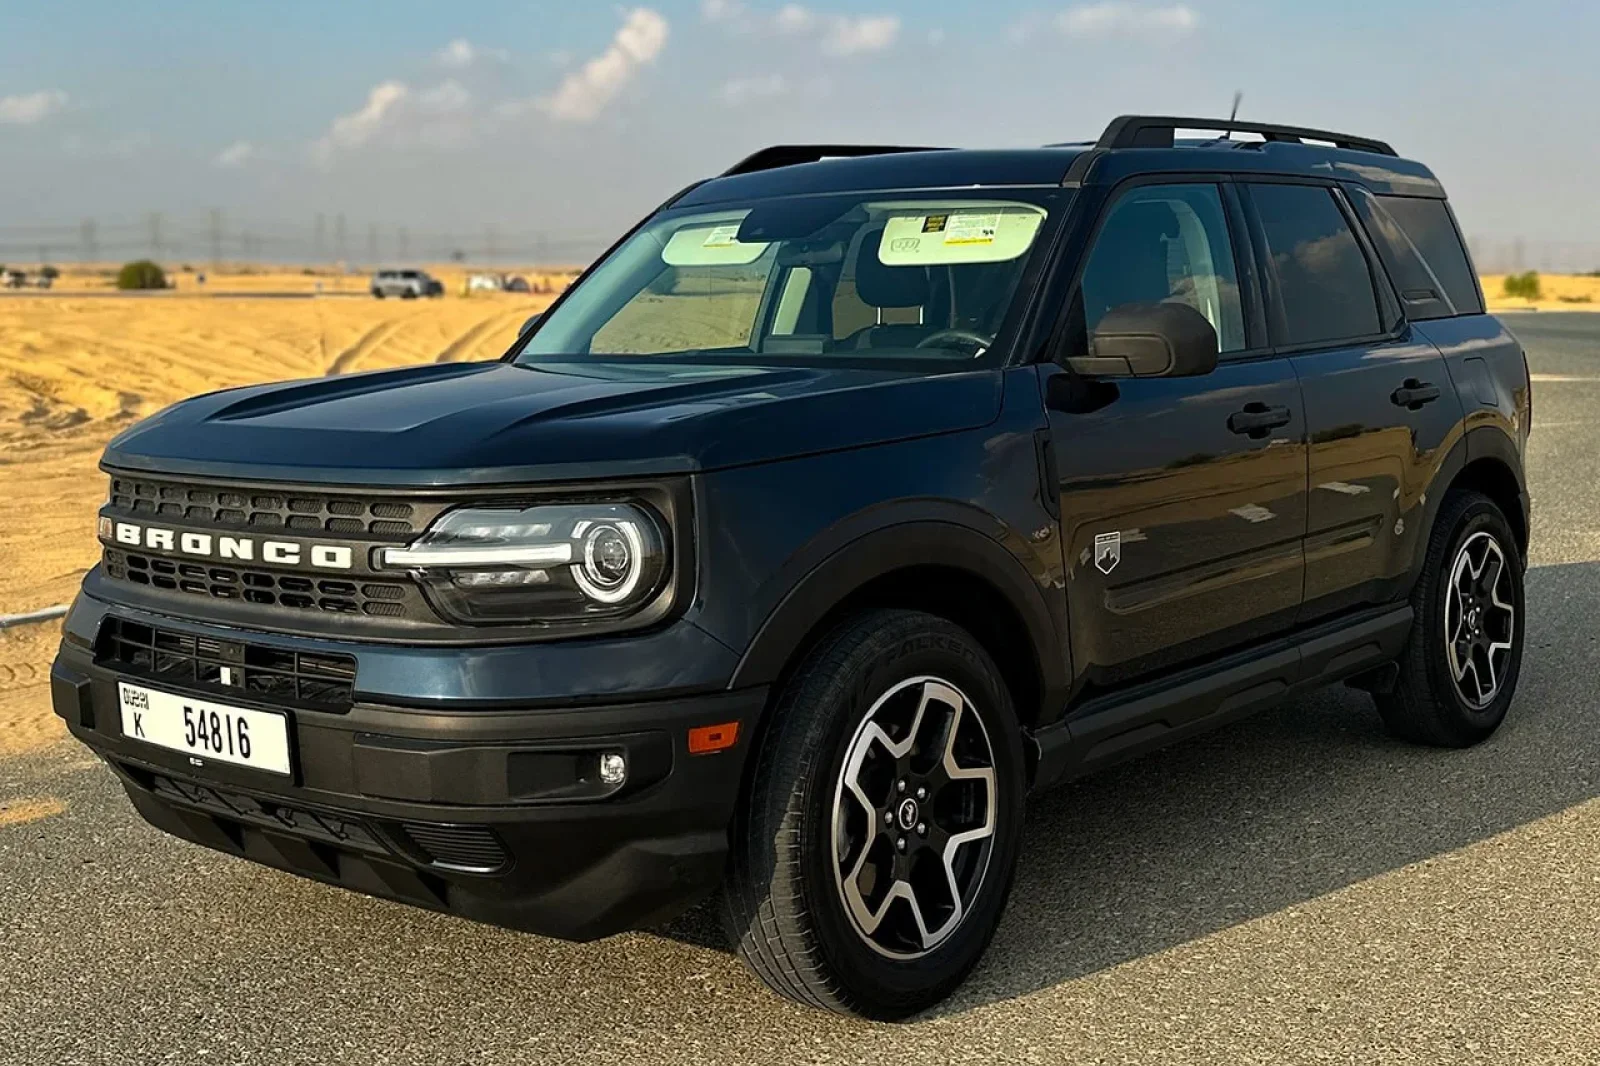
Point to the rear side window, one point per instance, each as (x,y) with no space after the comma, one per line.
(1323,278)
(1432,232)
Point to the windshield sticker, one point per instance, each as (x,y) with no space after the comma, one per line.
(971,229)
(722,237)
(983,233)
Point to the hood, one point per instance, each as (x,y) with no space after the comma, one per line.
(498,422)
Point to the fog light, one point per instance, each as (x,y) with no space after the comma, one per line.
(613,768)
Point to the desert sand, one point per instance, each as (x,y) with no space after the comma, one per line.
(75,371)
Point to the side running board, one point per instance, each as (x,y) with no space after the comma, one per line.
(1121,725)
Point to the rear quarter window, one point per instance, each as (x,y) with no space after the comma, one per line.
(1432,232)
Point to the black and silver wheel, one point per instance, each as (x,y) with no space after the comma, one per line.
(1459,671)
(914,817)
(873,858)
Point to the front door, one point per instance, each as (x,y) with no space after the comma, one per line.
(1183,500)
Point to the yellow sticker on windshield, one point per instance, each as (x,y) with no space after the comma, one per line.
(971,229)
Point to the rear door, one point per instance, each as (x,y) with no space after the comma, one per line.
(1380,412)
(1183,500)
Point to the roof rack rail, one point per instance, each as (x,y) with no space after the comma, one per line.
(1156,131)
(786,155)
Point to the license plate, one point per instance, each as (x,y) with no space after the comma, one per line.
(205,730)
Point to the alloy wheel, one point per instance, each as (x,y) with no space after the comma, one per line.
(1479,619)
(914,817)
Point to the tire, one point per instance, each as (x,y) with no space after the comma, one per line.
(1442,696)
(378,293)
(787,906)
(408,294)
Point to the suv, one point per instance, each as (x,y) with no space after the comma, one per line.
(855,495)
(406,284)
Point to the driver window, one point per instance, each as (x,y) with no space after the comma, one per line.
(1164,243)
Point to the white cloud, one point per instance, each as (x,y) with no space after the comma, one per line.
(461,53)
(236,154)
(1117,18)
(793,18)
(26,109)
(835,35)
(740,91)
(845,36)
(721,10)
(434,116)
(586,91)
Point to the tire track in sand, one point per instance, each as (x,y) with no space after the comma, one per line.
(475,334)
(372,338)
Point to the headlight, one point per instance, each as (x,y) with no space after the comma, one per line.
(547,563)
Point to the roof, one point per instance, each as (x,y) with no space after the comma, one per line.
(1130,145)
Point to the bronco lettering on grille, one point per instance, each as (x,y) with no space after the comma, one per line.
(222,546)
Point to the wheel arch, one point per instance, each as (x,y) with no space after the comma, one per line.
(945,568)
(1485,460)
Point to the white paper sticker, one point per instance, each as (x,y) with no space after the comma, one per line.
(971,229)
(722,237)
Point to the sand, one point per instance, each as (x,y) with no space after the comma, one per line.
(75,371)
(1559,292)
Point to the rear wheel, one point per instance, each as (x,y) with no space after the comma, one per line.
(378,293)
(1459,670)
(875,852)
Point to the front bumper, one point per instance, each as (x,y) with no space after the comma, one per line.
(490,813)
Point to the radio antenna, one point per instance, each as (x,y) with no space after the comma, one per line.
(1227,131)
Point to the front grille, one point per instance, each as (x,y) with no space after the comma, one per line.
(296,510)
(462,847)
(268,588)
(322,681)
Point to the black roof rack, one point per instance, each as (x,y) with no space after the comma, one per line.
(1156,131)
(787,155)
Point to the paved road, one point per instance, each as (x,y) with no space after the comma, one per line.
(1297,888)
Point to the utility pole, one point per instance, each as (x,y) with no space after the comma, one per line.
(318,240)
(489,251)
(86,238)
(338,237)
(216,238)
(155,235)
(372,244)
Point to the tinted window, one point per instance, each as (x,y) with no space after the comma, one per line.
(1433,233)
(1165,243)
(1324,280)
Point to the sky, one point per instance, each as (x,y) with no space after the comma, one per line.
(504,126)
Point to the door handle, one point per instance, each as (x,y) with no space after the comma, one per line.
(1413,394)
(1258,419)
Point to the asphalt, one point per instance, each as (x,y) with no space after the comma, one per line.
(1296,888)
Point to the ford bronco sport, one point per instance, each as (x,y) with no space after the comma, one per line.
(854,495)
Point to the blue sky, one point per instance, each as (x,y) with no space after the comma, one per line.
(569,120)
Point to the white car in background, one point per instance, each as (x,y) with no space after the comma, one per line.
(406,284)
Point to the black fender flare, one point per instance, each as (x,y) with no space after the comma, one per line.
(872,545)
(1479,443)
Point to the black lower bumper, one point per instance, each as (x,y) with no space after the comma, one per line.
(492,814)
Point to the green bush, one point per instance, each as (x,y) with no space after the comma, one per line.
(1525,285)
(141,274)
(49,272)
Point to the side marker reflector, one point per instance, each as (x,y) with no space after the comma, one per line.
(705,739)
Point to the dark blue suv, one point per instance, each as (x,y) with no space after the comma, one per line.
(854,495)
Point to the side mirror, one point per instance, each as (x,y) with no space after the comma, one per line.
(533,320)
(1150,340)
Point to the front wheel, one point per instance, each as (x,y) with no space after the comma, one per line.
(875,851)
(1460,667)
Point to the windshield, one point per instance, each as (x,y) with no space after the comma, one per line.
(858,279)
